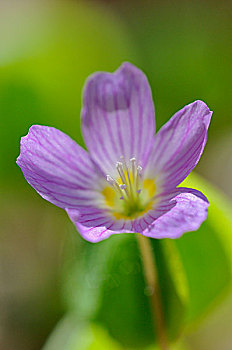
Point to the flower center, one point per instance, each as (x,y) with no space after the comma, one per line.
(130,195)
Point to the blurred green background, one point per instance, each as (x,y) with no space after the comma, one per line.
(56,289)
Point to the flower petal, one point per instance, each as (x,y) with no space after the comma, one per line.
(162,205)
(98,227)
(179,144)
(96,224)
(118,117)
(186,215)
(179,211)
(59,170)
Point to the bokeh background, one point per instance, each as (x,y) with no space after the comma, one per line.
(56,289)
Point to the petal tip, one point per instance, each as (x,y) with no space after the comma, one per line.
(201,104)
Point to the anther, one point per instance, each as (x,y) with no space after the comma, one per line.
(114,184)
(119,165)
(110,179)
(123,186)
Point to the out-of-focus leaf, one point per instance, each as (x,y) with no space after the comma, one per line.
(124,305)
(71,334)
(173,283)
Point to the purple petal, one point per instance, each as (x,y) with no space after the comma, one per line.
(186,215)
(118,117)
(59,170)
(96,224)
(179,211)
(90,231)
(163,204)
(179,145)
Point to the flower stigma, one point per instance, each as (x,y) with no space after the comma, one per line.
(130,195)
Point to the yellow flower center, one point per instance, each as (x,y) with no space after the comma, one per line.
(129,196)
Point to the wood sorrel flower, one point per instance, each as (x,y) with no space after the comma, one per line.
(128,180)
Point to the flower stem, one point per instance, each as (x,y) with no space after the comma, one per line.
(151,277)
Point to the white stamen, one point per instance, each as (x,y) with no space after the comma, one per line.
(127,172)
(114,184)
(110,179)
(138,178)
(133,165)
(119,167)
(130,179)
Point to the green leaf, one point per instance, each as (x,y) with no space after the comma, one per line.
(71,334)
(124,307)
(173,283)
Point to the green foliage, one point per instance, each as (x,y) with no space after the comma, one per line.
(73,335)
(70,334)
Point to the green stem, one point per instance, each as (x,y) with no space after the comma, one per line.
(151,277)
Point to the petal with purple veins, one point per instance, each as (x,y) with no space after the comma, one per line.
(188,213)
(118,117)
(59,170)
(92,221)
(178,145)
(162,204)
(98,226)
